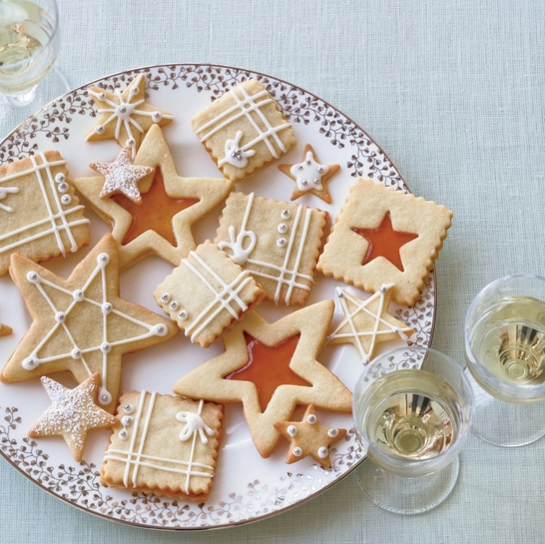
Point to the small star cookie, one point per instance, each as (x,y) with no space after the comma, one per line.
(367,322)
(121,176)
(5,330)
(310,176)
(308,437)
(162,223)
(72,414)
(126,115)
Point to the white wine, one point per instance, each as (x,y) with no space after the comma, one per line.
(413,414)
(26,51)
(509,340)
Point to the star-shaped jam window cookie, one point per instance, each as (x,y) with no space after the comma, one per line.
(367,322)
(385,236)
(80,324)
(125,116)
(72,414)
(271,368)
(162,223)
(310,176)
(308,437)
(122,176)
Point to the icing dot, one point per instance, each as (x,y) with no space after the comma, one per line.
(127,421)
(105,347)
(285,214)
(60,317)
(156,116)
(383,289)
(104,397)
(130,142)
(282,228)
(33,277)
(128,408)
(183,315)
(60,178)
(135,89)
(106,308)
(104,258)
(29,364)
(292,430)
(322,452)
(123,109)
(99,129)
(159,330)
(311,418)
(75,353)
(165,297)
(297,452)
(304,182)
(123,434)
(299,167)
(333,432)
(281,242)
(101,96)
(66,199)
(320,169)
(62,187)
(173,305)
(316,181)
(78,295)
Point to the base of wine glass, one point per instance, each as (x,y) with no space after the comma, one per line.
(504,423)
(406,495)
(11,115)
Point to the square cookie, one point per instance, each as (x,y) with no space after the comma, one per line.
(385,236)
(165,445)
(244,130)
(40,216)
(207,294)
(278,243)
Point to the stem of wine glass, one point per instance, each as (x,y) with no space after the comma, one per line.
(23,98)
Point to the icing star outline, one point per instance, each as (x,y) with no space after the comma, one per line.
(72,414)
(308,437)
(316,185)
(121,176)
(155,153)
(326,390)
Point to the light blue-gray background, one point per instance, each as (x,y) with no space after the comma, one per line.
(453,91)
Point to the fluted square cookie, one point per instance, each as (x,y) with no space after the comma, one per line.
(164,445)
(385,236)
(244,130)
(207,294)
(278,243)
(40,216)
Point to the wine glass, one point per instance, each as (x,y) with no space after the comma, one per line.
(29,45)
(414,422)
(505,353)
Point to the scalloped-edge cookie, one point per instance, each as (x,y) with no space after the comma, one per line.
(385,236)
(207,294)
(277,242)
(244,130)
(40,215)
(164,445)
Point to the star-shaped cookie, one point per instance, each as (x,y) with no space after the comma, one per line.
(5,330)
(162,223)
(80,324)
(271,368)
(126,115)
(308,437)
(122,176)
(310,176)
(367,322)
(72,414)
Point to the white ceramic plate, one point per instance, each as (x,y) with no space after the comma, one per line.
(246,487)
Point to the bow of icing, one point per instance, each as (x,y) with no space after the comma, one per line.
(194,424)
(240,254)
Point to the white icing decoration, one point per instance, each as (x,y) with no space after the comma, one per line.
(323,452)
(361,306)
(66,199)
(308,174)
(62,187)
(281,242)
(173,305)
(194,424)
(183,315)
(285,214)
(243,108)
(234,155)
(222,299)
(123,434)
(137,458)
(311,418)
(333,432)
(60,178)
(292,430)
(52,217)
(122,113)
(128,409)
(282,228)
(297,451)
(127,421)
(165,297)
(4,192)
(76,353)
(285,276)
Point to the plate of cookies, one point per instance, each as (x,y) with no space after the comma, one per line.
(197,262)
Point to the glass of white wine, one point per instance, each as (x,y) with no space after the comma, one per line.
(29,45)
(505,354)
(412,409)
